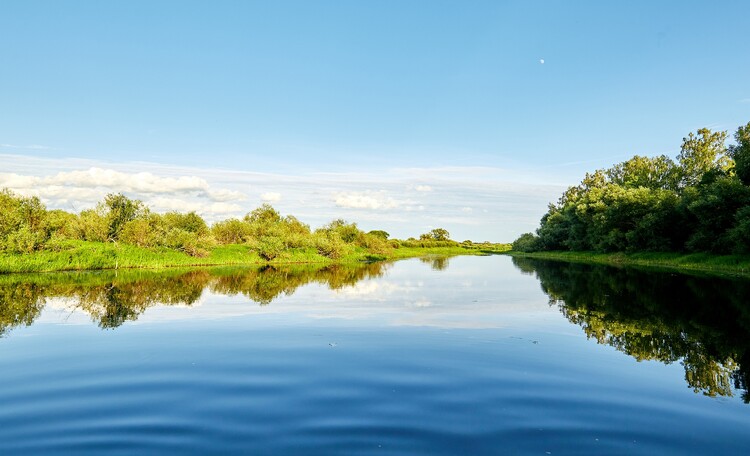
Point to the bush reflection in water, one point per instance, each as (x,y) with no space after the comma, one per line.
(114,297)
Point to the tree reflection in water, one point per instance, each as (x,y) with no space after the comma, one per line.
(436,262)
(114,297)
(702,322)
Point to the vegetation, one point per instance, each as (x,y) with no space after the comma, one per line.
(123,233)
(706,263)
(698,203)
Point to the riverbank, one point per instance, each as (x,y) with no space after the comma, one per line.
(85,256)
(735,265)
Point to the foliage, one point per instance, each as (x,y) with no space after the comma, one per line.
(22,228)
(123,233)
(700,154)
(269,247)
(437,234)
(92,225)
(696,204)
(231,231)
(120,210)
(740,153)
(329,244)
(527,242)
(379,233)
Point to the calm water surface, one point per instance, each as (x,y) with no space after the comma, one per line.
(468,355)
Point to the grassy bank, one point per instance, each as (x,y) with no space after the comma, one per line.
(83,255)
(737,265)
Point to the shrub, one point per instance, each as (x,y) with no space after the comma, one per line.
(384,235)
(231,231)
(269,247)
(374,243)
(527,242)
(141,233)
(329,245)
(24,241)
(92,226)
(188,242)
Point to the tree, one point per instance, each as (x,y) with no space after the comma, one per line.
(190,222)
(263,215)
(654,173)
(121,210)
(741,153)
(700,154)
(348,232)
(231,231)
(437,234)
(527,242)
(380,233)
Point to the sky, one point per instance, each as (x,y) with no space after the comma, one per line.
(398,115)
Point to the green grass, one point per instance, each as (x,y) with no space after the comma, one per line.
(82,255)
(737,265)
(410,252)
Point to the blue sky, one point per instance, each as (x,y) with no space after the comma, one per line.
(397,115)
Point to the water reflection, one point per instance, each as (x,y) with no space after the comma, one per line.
(701,322)
(114,297)
(436,262)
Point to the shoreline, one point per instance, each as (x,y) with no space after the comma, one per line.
(724,265)
(100,256)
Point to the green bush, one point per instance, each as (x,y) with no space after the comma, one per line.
(329,245)
(141,233)
(527,242)
(374,243)
(92,226)
(269,247)
(231,231)
(189,242)
(24,241)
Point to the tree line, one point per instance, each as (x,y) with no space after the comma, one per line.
(27,226)
(699,202)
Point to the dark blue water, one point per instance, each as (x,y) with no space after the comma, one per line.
(464,357)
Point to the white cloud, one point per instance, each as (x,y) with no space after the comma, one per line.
(208,209)
(144,182)
(223,194)
(423,188)
(365,200)
(29,147)
(271,197)
(505,202)
(467,209)
(78,189)
(422,302)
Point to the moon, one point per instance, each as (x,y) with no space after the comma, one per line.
(541,61)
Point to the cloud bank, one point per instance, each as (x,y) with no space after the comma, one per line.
(365,200)
(477,203)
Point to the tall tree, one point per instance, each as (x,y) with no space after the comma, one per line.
(701,154)
(121,210)
(741,153)
(654,173)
